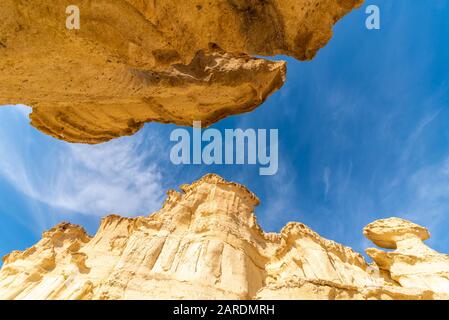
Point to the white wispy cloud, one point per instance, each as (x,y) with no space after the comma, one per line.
(114,177)
(429,188)
(326,181)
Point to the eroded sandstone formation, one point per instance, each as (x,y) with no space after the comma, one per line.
(205,243)
(136,61)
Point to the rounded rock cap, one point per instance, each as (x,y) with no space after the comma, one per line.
(385,233)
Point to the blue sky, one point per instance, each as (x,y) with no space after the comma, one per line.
(363,135)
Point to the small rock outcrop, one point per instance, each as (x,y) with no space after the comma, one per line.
(412,263)
(138,61)
(205,243)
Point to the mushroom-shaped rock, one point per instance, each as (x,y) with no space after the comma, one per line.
(412,264)
(386,233)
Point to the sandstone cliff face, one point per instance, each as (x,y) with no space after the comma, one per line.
(205,243)
(136,61)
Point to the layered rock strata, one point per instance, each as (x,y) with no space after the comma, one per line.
(205,243)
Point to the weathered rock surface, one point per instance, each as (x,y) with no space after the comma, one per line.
(136,61)
(412,263)
(205,243)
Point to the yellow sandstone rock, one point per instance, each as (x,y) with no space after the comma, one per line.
(412,263)
(137,61)
(205,243)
